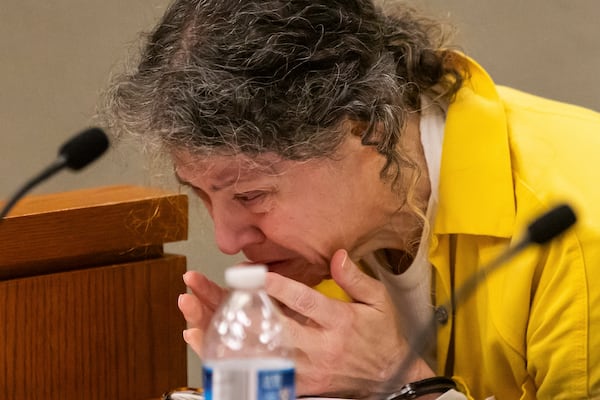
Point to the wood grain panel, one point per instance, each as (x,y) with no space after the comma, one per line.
(97,334)
(47,233)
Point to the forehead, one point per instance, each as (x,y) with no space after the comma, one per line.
(226,169)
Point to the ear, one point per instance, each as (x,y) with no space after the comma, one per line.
(370,134)
(356,127)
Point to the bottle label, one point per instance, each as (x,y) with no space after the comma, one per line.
(245,383)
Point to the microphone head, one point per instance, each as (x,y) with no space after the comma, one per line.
(84,148)
(551,224)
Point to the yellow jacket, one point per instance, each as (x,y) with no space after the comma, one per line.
(532,329)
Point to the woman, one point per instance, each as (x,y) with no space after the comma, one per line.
(344,147)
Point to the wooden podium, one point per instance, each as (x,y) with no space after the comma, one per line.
(88,298)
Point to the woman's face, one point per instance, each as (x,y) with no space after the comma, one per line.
(293,215)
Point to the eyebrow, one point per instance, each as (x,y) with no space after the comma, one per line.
(213,188)
(228,178)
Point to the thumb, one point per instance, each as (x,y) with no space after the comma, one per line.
(194,337)
(358,285)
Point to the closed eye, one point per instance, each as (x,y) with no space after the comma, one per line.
(252,197)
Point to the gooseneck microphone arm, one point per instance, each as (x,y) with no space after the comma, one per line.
(75,154)
(50,170)
(540,231)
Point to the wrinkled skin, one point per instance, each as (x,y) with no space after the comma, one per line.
(307,221)
(327,335)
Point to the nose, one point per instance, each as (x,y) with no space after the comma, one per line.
(235,229)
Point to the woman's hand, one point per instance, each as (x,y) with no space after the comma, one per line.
(346,349)
(342,349)
(198,307)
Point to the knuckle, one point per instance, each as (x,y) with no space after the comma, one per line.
(317,382)
(356,277)
(305,302)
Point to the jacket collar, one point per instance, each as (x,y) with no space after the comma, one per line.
(476,194)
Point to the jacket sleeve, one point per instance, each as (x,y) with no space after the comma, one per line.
(562,341)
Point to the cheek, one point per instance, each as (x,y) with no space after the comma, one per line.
(309,237)
(293,233)
(293,223)
(311,227)
(280,230)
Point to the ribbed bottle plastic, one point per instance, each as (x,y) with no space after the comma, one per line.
(244,357)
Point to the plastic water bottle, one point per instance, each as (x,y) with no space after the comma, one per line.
(243,354)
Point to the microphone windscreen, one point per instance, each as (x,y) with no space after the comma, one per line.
(551,224)
(84,148)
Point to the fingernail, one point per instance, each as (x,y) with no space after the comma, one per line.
(344,265)
(186,277)
(179,300)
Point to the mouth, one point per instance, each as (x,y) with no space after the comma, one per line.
(309,274)
(274,266)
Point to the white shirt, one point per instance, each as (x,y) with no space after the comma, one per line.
(411,291)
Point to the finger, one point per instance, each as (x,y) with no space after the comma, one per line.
(358,285)
(306,339)
(303,299)
(209,293)
(195,313)
(194,337)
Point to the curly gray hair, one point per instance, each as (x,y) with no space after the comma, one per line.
(255,76)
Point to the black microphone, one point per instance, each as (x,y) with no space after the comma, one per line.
(551,224)
(543,229)
(75,154)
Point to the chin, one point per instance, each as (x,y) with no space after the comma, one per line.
(308,274)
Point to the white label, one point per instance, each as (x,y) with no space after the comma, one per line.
(249,379)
